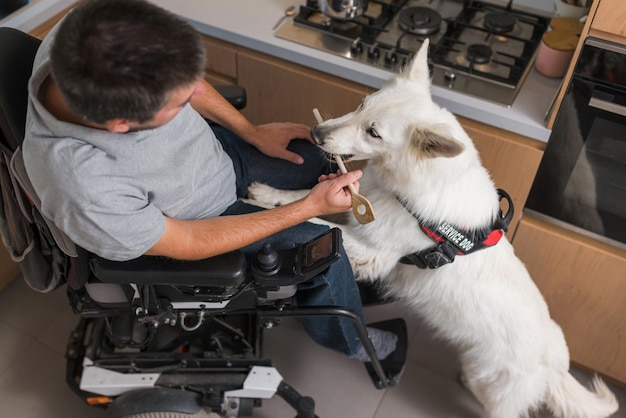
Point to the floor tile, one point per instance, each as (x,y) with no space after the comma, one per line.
(423,393)
(34,387)
(339,386)
(424,348)
(433,353)
(29,311)
(56,334)
(12,345)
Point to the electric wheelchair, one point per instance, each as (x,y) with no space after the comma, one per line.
(156,336)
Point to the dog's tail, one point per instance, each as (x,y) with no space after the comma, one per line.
(567,398)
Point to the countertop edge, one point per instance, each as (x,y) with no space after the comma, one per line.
(524,117)
(252,30)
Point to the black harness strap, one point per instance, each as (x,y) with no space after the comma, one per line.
(452,241)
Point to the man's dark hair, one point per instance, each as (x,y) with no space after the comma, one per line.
(122,58)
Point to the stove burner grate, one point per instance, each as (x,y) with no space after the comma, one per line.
(420,20)
(478,53)
(500,21)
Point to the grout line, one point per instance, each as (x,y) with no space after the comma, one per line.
(380,404)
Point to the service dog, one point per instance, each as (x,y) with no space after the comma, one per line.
(437,206)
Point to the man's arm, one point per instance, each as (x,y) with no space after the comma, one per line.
(271,139)
(203,238)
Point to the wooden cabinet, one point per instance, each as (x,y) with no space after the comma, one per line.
(279,91)
(221,63)
(584,283)
(610,18)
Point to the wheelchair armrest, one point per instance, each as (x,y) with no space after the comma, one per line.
(236,95)
(226,270)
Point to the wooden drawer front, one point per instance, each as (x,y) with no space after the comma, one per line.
(216,80)
(221,58)
(283,92)
(610,17)
(584,283)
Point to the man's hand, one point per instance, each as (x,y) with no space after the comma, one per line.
(272,139)
(331,194)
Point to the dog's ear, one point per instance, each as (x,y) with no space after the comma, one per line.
(417,70)
(435,143)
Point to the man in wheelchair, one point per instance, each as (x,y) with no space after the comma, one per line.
(177,272)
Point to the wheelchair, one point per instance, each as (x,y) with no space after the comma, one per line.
(163,337)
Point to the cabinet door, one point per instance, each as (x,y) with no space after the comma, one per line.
(221,62)
(610,17)
(584,283)
(279,91)
(512,161)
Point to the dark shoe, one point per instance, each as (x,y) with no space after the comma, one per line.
(393,364)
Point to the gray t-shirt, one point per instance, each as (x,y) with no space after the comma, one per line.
(108,192)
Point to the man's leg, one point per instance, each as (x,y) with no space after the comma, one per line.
(252,165)
(335,287)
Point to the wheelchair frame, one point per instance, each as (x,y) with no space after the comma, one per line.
(197,337)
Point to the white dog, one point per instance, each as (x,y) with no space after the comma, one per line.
(423,170)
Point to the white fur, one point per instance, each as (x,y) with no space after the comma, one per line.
(514,356)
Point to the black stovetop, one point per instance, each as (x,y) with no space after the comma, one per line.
(476,47)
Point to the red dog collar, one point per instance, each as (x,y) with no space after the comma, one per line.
(452,241)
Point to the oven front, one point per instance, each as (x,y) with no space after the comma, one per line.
(582,177)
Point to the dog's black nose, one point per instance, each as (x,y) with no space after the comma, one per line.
(315,135)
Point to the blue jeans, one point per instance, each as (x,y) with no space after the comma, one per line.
(336,286)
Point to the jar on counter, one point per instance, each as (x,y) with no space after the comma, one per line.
(557,46)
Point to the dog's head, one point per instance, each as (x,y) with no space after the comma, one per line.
(399,119)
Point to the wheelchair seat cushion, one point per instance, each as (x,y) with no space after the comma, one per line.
(224,270)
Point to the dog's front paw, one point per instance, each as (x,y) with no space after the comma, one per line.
(268,196)
(263,195)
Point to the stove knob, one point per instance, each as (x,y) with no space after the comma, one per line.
(449,76)
(391,58)
(356,47)
(373,52)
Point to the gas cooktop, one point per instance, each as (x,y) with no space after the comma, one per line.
(476,48)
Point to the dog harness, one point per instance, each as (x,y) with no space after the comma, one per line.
(452,241)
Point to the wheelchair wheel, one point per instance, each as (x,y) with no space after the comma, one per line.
(158,403)
(201,414)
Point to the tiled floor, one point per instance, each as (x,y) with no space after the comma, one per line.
(34,328)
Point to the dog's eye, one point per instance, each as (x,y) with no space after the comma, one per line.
(372,132)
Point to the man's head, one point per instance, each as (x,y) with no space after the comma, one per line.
(124,60)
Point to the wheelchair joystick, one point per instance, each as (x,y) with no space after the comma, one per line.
(295,265)
(266,262)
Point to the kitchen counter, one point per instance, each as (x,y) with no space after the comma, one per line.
(249,24)
(34,14)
